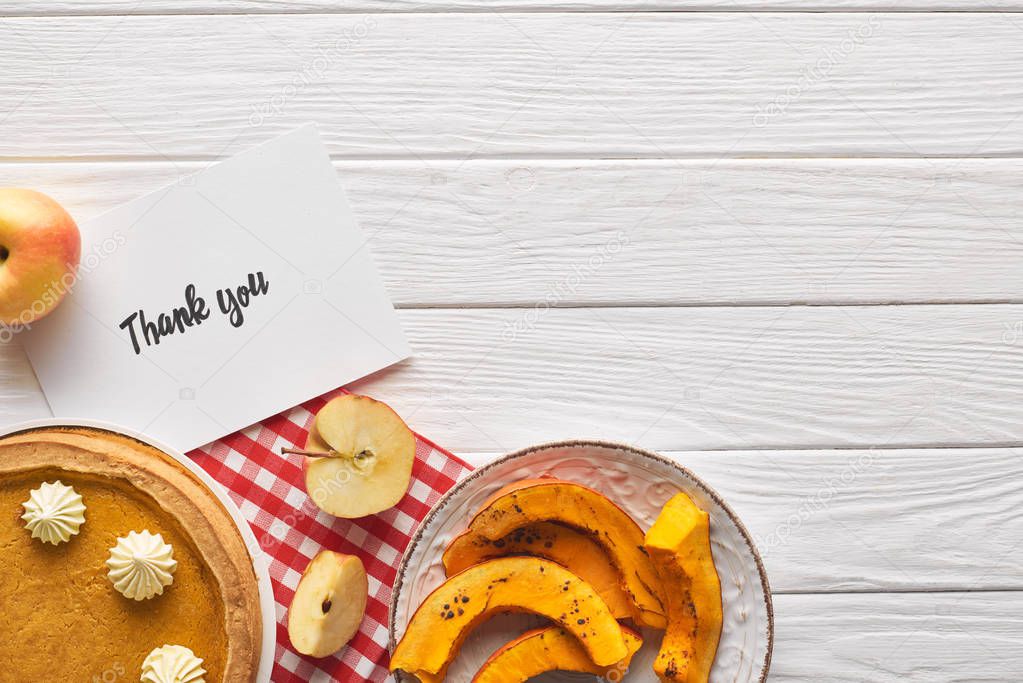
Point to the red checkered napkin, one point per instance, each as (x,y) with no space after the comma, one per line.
(268,489)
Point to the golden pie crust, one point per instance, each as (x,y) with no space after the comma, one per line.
(63,619)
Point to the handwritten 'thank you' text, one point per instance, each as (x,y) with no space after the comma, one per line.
(232,302)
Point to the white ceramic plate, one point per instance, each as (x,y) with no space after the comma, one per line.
(638,481)
(260,561)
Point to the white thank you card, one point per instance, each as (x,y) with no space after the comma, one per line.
(236,293)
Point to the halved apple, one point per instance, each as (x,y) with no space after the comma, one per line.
(572,549)
(368,453)
(550,649)
(329,604)
(564,502)
(508,584)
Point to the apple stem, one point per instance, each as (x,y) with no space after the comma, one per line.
(310,454)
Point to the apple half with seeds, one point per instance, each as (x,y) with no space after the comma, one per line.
(368,453)
(329,604)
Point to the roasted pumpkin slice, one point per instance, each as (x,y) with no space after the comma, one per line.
(679,544)
(553,500)
(550,649)
(508,584)
(566,546)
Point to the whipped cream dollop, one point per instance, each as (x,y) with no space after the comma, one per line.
(141,565)
(172,664)
(53,512)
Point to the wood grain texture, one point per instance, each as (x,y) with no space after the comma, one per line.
(713,377)
(894,638)
(511,233)
(137,7)
(656,84)
(873,520)
(21,398)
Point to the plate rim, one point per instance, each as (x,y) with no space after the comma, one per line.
(583,443)
(260,560)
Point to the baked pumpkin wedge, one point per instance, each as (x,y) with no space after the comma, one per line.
(550,649)
(553,500)
(572,549)
(508,584)
(679,544)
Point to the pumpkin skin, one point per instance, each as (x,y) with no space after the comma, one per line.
(571,549)
(508,584)
(550,649)
(552,500)
(679,544)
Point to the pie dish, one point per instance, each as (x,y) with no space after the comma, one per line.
(64,619)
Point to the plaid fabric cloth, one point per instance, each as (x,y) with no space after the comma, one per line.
(269,490)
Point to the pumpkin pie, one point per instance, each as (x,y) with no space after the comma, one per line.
(63,618)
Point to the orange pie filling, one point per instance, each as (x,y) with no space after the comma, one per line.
(64,619)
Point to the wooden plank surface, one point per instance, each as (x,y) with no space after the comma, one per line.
(655,84)
(137,7)
(656,232)
(736,377)
(895,638)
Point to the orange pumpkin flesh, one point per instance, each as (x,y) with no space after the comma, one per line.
(509,584)
(550,649)
(679,544)
(552,500)
(571,549)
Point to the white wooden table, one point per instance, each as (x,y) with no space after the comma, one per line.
(780,241)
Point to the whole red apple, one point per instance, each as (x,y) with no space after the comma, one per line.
(39,250)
